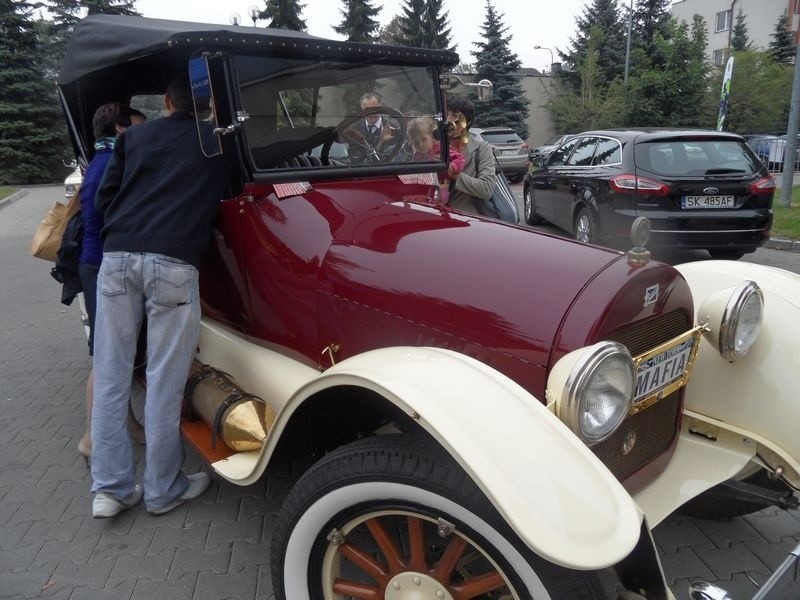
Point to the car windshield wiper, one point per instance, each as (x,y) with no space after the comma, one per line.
(723,171)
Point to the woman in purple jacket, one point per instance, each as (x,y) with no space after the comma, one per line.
(108,122)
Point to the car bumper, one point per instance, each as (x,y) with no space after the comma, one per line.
(515,165)
(744,229)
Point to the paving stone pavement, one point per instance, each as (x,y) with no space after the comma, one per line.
(216,547)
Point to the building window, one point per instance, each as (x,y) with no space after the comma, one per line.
(719,57)
(723,20)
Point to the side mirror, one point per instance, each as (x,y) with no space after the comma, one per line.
(203,97)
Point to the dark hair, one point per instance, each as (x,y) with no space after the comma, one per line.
(179,92)
(462,105)
(109,115)
(371,96)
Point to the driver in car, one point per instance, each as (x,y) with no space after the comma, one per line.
(371,135)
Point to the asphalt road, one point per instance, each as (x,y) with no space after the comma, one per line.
(216,547)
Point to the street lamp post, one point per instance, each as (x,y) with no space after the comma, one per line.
(253,12)
(552,58)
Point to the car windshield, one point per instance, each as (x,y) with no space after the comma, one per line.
(295,106)
(692,157)
(501,137)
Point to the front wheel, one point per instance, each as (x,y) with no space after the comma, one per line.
(395,517)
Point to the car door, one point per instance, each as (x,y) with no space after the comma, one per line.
(571,180)
(545,181)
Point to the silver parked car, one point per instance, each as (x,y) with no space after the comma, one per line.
(510,149)
(554,142)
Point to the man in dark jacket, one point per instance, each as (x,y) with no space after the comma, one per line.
(159,197)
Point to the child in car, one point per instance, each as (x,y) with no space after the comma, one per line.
(422,133)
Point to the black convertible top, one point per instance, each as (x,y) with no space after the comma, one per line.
(101,42)
(115,57)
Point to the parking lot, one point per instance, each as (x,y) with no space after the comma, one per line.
(218,546)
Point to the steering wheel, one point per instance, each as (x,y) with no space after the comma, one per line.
(345,132)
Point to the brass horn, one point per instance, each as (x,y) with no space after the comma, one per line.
(458,129)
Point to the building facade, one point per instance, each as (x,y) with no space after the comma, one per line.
(761,17)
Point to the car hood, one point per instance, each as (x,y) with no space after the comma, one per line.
(405,274)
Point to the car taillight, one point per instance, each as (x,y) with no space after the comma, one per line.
(765,185)
(638,186)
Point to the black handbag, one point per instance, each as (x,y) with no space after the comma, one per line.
(501,204)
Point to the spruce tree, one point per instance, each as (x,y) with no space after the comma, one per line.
(424,25)
(359,23)
(651,19)
(739,40)
(411,30)
(508,106)
(284,14)
(30,150)
(782,48)
(609,40)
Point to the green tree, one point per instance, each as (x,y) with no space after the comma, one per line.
(494,61)
(650,19)
(424,25)
(29,114)
(602,23)
(670,91)
(782,48)
(760,93)
(586,105)
(740,40)
(359,23)
(391,34)
(284,14)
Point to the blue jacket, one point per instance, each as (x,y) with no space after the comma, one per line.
(92,251)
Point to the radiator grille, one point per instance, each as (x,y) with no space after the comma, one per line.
(654,428)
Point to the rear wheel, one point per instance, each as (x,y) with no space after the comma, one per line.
(529,204)
(394,517)
(585,228)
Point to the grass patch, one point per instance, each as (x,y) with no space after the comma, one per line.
(6,192)
(787,218)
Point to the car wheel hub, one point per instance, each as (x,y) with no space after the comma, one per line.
(415,586)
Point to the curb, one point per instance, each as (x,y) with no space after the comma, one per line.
(12,198)
(783,244)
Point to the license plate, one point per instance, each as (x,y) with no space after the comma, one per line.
(507,152)
(707,202)
(663,369)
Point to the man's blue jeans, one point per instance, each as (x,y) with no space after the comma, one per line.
(130,285)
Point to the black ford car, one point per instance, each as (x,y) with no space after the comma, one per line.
(700,189)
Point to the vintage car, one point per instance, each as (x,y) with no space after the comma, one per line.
(486,411)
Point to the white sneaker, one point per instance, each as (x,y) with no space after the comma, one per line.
(198,483)
(105,505)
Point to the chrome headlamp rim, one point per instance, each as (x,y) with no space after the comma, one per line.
(570,408)
(731,318)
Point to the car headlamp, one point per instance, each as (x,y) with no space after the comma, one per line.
(593,389)
(734,319)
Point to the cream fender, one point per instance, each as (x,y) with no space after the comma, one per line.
(558,497)
(757,395)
